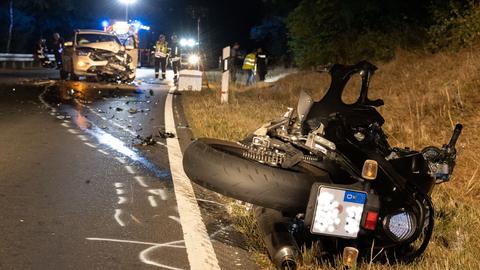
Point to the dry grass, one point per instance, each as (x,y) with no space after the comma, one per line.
(425,95)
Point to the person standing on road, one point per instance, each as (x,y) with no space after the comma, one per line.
(262,64)
(40,54)
(175,56)
(249,65)
(57,47)
(161,55)
(235,56)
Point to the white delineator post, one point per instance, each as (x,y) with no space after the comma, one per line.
(225,75)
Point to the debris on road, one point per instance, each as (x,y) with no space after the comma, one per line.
(151,92)
(147,141)
(164,134)
(119,109)
(133,111)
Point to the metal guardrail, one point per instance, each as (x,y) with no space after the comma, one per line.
(11,60)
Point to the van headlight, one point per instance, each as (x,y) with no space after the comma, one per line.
(400,226)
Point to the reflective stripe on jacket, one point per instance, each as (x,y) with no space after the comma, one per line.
(161,49)
(249,62)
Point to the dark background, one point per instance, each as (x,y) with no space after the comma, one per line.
(222,22)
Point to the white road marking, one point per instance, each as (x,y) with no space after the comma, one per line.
(129,169)
(197,242)
(152,201)
(73,131)
(162,144)
(177,219)
(122,200)
(119,212)
(82,137)
(90,145)
(121,160)
(119,185)
(65,125)
(144,256)
(159,192)
(120,191)
(209,201)
(141,181)
(103,152)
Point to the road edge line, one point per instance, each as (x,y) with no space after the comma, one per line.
(200,252)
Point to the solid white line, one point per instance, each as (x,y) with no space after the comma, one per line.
(129,169)
(118,212)
(152,201)
(141,181)
(199,247)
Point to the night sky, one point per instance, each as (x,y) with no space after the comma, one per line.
(222,23)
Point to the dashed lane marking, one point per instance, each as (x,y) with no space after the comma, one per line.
(90,145)
(141,181)
(152,201)
(103,152)
(118,213)
(129,169)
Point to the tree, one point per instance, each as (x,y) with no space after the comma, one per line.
(323,31)
(10,27)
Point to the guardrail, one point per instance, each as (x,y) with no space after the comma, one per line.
(11,60)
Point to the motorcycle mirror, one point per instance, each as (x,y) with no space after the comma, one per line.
(370,169)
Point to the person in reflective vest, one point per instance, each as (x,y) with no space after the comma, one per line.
(161,56)
(249,65)
(262,64)
(175,56)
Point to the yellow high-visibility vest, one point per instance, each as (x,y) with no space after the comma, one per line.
(161,49)
(249,62)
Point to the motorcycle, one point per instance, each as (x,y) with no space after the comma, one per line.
(325,172)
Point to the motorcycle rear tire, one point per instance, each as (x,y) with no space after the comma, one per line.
(219,166)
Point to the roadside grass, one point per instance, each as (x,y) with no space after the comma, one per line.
(425,96)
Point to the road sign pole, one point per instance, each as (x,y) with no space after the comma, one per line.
(225,75)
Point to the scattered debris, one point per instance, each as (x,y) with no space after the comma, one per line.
(149,140)
(133,111)
(165,135)
(151,92)
(119,109)
(87,182)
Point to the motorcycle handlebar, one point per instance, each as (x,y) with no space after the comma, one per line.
(455,136)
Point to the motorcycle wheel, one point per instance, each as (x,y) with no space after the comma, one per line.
(219,166)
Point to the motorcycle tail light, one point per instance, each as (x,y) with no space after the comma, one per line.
(400,226)
(370,169)
(371,221)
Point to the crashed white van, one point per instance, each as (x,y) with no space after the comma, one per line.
(99,55)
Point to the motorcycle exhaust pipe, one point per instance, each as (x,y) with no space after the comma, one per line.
(281,246)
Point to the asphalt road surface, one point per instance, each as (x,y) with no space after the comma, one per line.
(90,178)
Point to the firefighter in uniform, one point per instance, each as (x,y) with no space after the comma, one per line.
(161,56)
(175,56)
(249,65)
(40,54)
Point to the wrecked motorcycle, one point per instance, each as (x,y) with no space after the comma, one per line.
(325,172)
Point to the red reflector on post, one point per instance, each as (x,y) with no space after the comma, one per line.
(371,221)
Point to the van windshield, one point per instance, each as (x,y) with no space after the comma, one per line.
(95,38)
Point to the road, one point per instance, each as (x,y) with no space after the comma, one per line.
(91,178)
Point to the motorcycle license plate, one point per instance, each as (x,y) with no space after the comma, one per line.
(338,212)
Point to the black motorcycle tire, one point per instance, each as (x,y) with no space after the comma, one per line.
(218,165)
